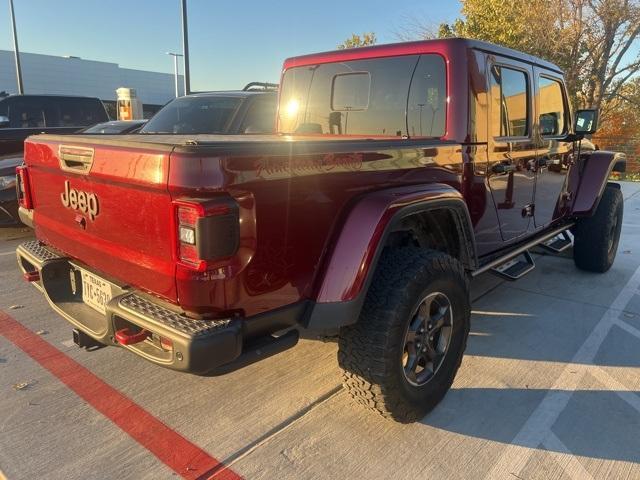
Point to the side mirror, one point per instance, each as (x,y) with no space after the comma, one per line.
(4,121)
(586,122)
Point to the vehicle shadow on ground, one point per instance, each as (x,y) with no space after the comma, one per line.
(595,423)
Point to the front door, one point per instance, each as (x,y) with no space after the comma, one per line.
(553,154)
(512,151)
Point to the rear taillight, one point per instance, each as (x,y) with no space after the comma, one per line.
(206,231)
(23,188)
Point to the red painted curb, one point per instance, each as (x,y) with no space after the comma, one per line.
(171,448)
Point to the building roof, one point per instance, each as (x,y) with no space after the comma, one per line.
(49,74)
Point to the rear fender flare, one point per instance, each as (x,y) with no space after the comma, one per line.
(351,262)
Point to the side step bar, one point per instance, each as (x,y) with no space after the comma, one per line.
(557,244)
(516,267)
(520,250)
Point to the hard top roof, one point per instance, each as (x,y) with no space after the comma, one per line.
(413,48)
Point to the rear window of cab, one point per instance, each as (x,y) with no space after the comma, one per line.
(390,97)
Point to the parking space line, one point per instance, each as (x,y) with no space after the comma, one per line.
(12,252)
(538,425)
(569,463)
(628,328)
(171,448)
(624,392)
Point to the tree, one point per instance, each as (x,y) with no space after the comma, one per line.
(594,41)
(355,40)
(624,121)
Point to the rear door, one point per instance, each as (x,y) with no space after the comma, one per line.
(511,149)
(552,114)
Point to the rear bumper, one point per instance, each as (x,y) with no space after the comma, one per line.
(199,346)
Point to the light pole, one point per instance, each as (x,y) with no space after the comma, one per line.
(15,49)
(175,70)
(185,49)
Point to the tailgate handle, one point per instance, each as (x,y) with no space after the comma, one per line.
(126,337)
(75,159)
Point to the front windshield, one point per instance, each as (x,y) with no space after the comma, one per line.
(193,115)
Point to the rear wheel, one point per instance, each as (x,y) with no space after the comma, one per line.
(402,355)
(596,238)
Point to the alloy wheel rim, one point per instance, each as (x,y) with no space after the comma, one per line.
(427,338)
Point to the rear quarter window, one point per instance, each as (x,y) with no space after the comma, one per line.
(426,108)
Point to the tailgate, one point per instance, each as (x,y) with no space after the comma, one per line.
(107,206)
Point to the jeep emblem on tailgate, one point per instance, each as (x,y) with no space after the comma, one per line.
(79,200)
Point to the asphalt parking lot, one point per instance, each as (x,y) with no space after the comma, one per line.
(549,389)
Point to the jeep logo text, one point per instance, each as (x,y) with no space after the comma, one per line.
(79,200)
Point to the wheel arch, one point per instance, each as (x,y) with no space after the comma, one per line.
(369,227)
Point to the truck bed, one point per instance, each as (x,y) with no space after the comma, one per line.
(292,191)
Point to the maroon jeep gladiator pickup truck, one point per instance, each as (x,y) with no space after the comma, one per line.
(398,173)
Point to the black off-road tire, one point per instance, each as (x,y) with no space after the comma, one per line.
(371,351)
(596,238)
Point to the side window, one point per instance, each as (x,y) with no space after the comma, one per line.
(359,97)
(26,113)
(552,107)
(74,112)
(427,98)
(260,117)
(510,102)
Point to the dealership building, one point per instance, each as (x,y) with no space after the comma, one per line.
(48,74)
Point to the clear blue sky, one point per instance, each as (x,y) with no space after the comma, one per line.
(231,42)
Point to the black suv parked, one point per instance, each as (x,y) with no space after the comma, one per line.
(24,115)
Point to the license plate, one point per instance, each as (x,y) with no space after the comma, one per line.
(95,292)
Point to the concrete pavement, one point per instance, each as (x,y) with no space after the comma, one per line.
(549,388)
